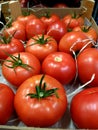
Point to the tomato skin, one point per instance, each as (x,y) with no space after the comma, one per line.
(34,27)
(17,75)
(41,112)
(25,19)
(84,109)
(50,19)
(12,47)
(42,50)
(60,5)
(57,30)
(17,30)
(87,63)
(6,103)
(61,66)
(72,22)
(73,40)
(89,31)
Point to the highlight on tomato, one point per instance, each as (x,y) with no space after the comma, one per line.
(40,101)
(20,66)
(61,66)
(84,108)
(6,103)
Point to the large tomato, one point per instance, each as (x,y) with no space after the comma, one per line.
(74,41)
(17,30)
(84,109)
(20,66)
(41,45)
(9,46)
(57,30)
(61,66)
(49,18)
(34,27)
(6,103)
(87,62)
(40,101)
(73,20)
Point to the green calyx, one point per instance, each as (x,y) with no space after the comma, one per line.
(41,91)
(5,40)
(16,61)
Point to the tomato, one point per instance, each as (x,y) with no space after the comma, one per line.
(49,18)
(57,30)
(87,62)
(61,66)
(40,101)
(44,45)
(20,66)
(60,5)
(9,46)
(89,31)
(17,30)
(84,109)
(6,103)
(73,20)
(74,41)
(34,27)
(25,19)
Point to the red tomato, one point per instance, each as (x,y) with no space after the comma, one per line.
(61,66)
(20,66)
(25,19)
(10,46)
(48,18)
(75,41)
(87,62)
(89,31)
(40,101)
(73,20)
(6,103)
(17,30)
(84,109)
(57,30)
(34,27)
(44,45)
(60,5)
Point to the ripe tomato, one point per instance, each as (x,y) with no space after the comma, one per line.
(60,5)
(49,18)
(40,101)
(57,30)
(87,62)
(75,41)
(41,45)
(34,27)
(9,46)
(17,30)
(61,66)
(20,66)
(73,20)
(88,30)
(25,19)
(6,103)
(84,109)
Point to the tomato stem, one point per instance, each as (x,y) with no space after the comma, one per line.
(41,91)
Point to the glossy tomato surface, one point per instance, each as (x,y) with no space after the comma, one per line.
(6,103)
(84,109)
(87,63)
(19,67)
(61,66)
(41,45)
(41,110)
(13,46)
(74,41)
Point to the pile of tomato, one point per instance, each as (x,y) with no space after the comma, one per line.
(40,56)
